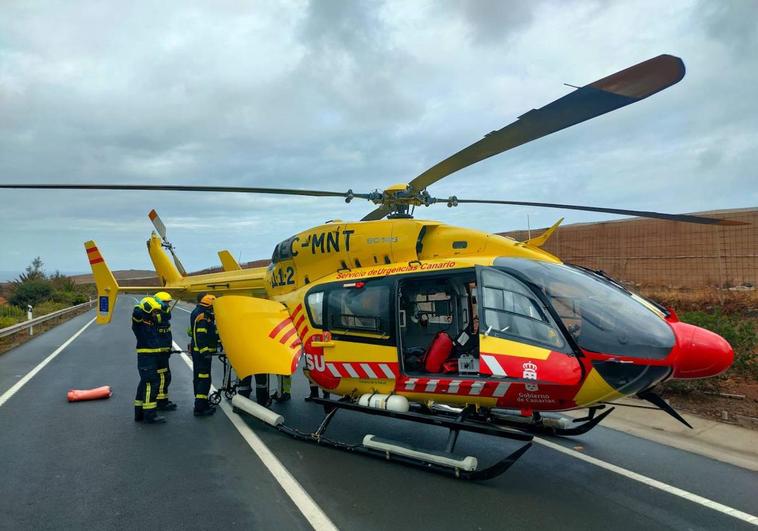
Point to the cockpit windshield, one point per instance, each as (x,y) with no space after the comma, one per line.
(600,316)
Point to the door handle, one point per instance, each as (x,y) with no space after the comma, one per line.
(323,344)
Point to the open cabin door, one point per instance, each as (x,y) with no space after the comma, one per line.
(518,337)
(258,335)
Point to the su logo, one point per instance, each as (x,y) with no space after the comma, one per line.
(315,362)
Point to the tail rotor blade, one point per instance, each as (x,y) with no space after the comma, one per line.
(158,224)
(178,263)
(161,228)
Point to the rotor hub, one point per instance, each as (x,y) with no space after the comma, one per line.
(400,198)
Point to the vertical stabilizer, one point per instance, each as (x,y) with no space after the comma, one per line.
(107,287)
(164,266)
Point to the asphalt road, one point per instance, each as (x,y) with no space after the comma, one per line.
(89,465)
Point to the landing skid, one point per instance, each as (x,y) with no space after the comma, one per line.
(539,424)
(549,426)
(441,462)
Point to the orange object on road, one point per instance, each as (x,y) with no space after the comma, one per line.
(77,395)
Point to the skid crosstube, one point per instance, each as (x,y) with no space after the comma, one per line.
(434,420)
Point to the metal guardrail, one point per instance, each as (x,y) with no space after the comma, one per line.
(18,327)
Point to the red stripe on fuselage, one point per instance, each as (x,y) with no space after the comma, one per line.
(278,328)
(288,335)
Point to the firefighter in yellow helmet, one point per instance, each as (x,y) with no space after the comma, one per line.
(166,346)
(145,327)
(203,345)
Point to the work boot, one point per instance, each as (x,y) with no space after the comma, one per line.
(283,397)
(204,412)
(151,417)
(166,405)
(139,414)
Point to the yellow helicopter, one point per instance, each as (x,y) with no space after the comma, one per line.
(427,322)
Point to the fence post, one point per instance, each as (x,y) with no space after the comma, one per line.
(29,318)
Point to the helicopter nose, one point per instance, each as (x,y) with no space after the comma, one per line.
(701,353)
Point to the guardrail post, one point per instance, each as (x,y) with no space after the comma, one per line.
(29,317)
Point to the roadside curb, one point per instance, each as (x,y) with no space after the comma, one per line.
(723,442)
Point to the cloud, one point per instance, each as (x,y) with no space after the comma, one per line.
(733,22)
(344,95)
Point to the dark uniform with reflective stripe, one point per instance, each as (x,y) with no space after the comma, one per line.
(166,345)
(203,344)
(145,328)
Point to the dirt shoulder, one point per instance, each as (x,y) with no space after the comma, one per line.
(736,402)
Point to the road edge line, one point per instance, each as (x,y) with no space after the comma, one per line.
(307,506)
(665,487)
(41,365)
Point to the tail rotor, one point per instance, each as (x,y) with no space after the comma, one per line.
(161,228)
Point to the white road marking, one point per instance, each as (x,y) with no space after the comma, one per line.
(689,496)
(19,384)
(675,491)
(308,507)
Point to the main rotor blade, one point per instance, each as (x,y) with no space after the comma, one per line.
(610,93)
(377,213)
(686,218)
(186,188)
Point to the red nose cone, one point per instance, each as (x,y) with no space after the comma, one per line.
(700,352)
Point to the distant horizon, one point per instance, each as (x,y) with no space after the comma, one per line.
(9,276)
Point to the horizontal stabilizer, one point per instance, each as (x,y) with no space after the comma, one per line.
(228,262)
(540,240)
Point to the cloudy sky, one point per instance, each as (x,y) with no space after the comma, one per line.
(338,94)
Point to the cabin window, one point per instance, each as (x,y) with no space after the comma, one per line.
(360,309)
(510,309)
(315,303)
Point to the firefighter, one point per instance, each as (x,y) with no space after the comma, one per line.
(166,345)
(244,386)
(203,345)
(285,388)
(145,328)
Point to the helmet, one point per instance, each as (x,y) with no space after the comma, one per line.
(149,304)
(207,300)
(163,296)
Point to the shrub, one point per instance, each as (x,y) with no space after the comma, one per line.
(31,292)
(70,298)
(740,332)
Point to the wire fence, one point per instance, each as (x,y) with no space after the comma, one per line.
(653,255)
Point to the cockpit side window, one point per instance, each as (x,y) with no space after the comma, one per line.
(510,310)
(315,304)
(365,309)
